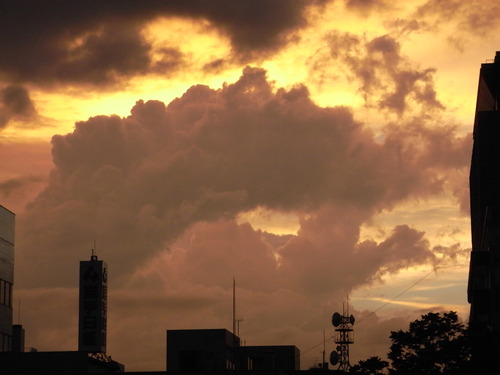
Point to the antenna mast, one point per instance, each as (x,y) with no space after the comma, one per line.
(234,306)
(324,350)
(93,256)
(344,336)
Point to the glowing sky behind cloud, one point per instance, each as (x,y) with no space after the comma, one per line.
(312,149)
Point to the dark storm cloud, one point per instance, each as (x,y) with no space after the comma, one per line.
(136,184)
(15,103)
(95,42)
(104,54)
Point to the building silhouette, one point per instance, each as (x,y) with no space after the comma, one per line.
(188,351)
(55,363)
(280,358)
(201,350)
(91,356)
(7,231)
(218,350)
(93,297)
(483,291)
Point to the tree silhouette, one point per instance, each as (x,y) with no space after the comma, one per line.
(371,366)
(435,344)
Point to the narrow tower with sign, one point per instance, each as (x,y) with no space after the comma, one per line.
(92,318)
(344,336)
(93,306)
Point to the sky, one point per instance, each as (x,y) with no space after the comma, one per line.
(316,151)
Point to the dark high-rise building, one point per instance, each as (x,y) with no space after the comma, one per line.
(484,275)
(7,224)
(93,306)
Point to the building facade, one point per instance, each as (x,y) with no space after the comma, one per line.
(55,363)
(283,358)
(218,350)
(92,317)
(191,350)
(483,291)
(7,231)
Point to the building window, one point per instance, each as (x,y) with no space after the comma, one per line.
(5,293)
(497,299)
(189,360)
(495,216)
(5,341)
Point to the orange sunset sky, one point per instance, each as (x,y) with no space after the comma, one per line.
(312,149)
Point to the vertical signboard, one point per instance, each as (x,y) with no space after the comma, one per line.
(93,306)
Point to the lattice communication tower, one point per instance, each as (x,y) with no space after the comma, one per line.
(344,336)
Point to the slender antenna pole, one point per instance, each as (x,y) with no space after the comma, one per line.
(94,250)
(234,306)
(324,349)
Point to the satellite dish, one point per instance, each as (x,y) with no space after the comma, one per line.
(336,319)
(334,358)
(352,320)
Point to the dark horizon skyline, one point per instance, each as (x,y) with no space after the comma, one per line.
(311,149)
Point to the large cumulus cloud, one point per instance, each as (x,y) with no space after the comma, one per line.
(134,184)
(160,191)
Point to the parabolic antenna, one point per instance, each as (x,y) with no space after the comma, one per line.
(336,319)
(334,358)
(352,320)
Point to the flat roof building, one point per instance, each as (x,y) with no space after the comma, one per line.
(191,350)
(202,350)
(283,358)
(7,231)
(56,363)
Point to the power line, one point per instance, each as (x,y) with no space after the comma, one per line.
(407,289)
(389,302)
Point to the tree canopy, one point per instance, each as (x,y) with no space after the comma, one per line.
(435,344)
(371,366)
